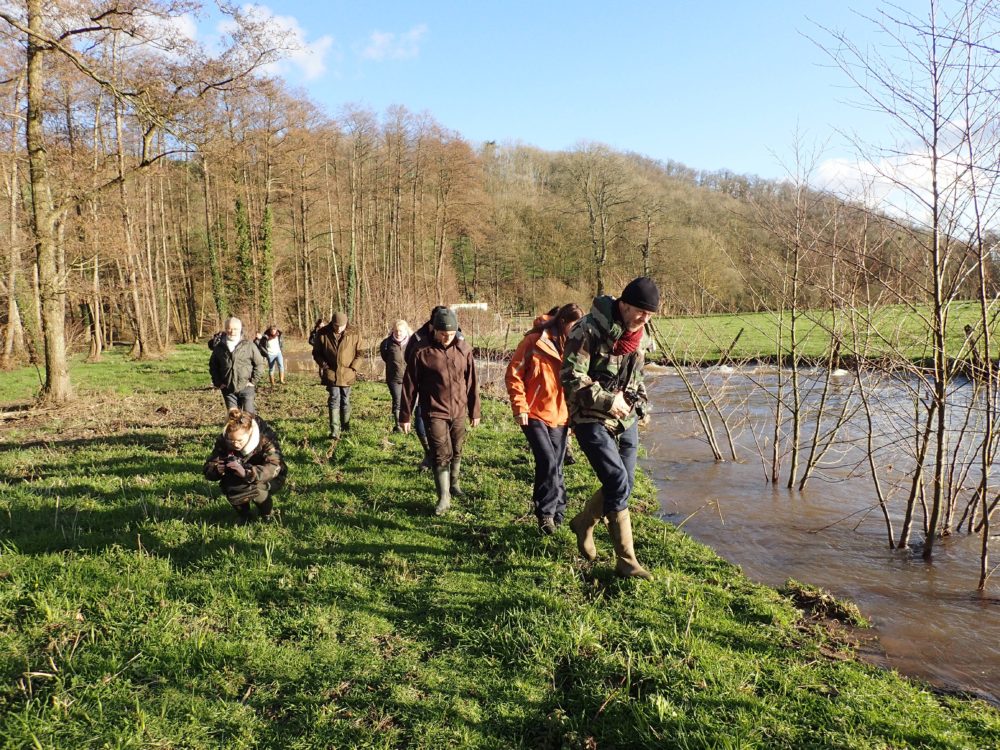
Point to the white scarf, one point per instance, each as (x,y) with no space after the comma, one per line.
(254,441)
(231,344)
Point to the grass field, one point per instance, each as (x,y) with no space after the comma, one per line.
(135,614)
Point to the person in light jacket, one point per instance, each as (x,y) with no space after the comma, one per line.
(272,347)
(539,405)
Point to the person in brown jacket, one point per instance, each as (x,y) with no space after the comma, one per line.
(337,351)
(247,463)
(442,373)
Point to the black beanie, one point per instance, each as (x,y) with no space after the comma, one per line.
(642,293)
(444,319)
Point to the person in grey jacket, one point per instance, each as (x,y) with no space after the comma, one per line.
(236,365)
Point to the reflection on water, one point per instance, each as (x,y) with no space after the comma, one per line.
(929,618)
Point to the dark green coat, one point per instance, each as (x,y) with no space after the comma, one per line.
(231,371)
(591,373)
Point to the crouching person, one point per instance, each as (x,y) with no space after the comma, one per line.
(441,373)
(248,465)
(602,376)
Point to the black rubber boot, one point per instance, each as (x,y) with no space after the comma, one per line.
(426,463)
(395,421)
(264,509)
(334,423)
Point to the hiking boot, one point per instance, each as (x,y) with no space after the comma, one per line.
(242,514)
(264,510)
(626,565)
(547,525)
(442,481)
(583,524)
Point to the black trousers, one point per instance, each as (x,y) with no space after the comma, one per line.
(242,491)
(446,437)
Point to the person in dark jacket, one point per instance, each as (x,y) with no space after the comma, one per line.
(424,335)
(247,463)
(337,351)
(606,396)
(442,374)
(236,365)
(393,350)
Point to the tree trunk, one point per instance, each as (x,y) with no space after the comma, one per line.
(51,286)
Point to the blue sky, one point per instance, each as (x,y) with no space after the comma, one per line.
(722,84)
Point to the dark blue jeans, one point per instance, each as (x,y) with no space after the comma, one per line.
(242,399)
(548,444)
(613,460)
(418,421)
(340,399)
(396,391)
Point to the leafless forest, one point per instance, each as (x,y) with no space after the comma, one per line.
(150,188)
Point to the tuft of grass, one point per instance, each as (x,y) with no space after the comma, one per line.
(820,604)
(134,613)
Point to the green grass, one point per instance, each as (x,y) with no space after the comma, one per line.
(135,614)
(116,374)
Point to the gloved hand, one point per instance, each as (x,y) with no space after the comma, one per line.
(233,466)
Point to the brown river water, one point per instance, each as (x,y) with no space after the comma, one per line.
(930,621)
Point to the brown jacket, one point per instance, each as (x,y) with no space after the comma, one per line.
(337,356)
(445,380)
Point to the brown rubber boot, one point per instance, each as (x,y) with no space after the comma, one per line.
(442,481)
(620,527)
(456,478)
(583,524)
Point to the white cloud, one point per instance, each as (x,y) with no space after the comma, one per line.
(308,58)
(387,45)
(901,185)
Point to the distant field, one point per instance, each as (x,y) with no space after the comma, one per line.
(891,329)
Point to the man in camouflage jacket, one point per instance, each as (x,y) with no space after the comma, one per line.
(602,377)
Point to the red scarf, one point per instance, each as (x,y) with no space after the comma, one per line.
(628,343)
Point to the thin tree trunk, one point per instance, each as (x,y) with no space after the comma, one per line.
(51,286)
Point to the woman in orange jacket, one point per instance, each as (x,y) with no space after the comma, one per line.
(539,405)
